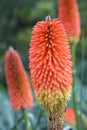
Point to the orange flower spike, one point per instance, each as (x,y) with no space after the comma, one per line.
(51,67)
(18,85)
(69,15)
(70,117)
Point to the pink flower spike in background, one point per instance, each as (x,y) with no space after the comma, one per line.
(69,16)
(70,117)
(18,84)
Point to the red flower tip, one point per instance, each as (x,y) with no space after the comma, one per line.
(18,84)
(70,116)
(69,15)
(50,63)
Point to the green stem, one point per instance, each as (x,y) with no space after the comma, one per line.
(82,74)
(17,122)
(73,89)
(39,118)
(26,118)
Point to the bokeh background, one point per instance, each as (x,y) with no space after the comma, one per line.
(17,18)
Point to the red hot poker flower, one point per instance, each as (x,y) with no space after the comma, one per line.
(50,66)
(69,15)
(17,81)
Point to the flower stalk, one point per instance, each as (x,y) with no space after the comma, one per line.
(16,123)
(56,121)
(73,49)
(26,119)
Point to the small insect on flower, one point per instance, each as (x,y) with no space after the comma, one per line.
(50,66)
(18,84)
(69,16)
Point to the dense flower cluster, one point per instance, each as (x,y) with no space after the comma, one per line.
(17,81)
(50,65)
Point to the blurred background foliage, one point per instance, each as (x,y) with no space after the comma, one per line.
(17,19)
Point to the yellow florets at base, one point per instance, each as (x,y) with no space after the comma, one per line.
(50,98)
(54,102)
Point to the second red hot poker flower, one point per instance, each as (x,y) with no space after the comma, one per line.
(69,15)
(17,81)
